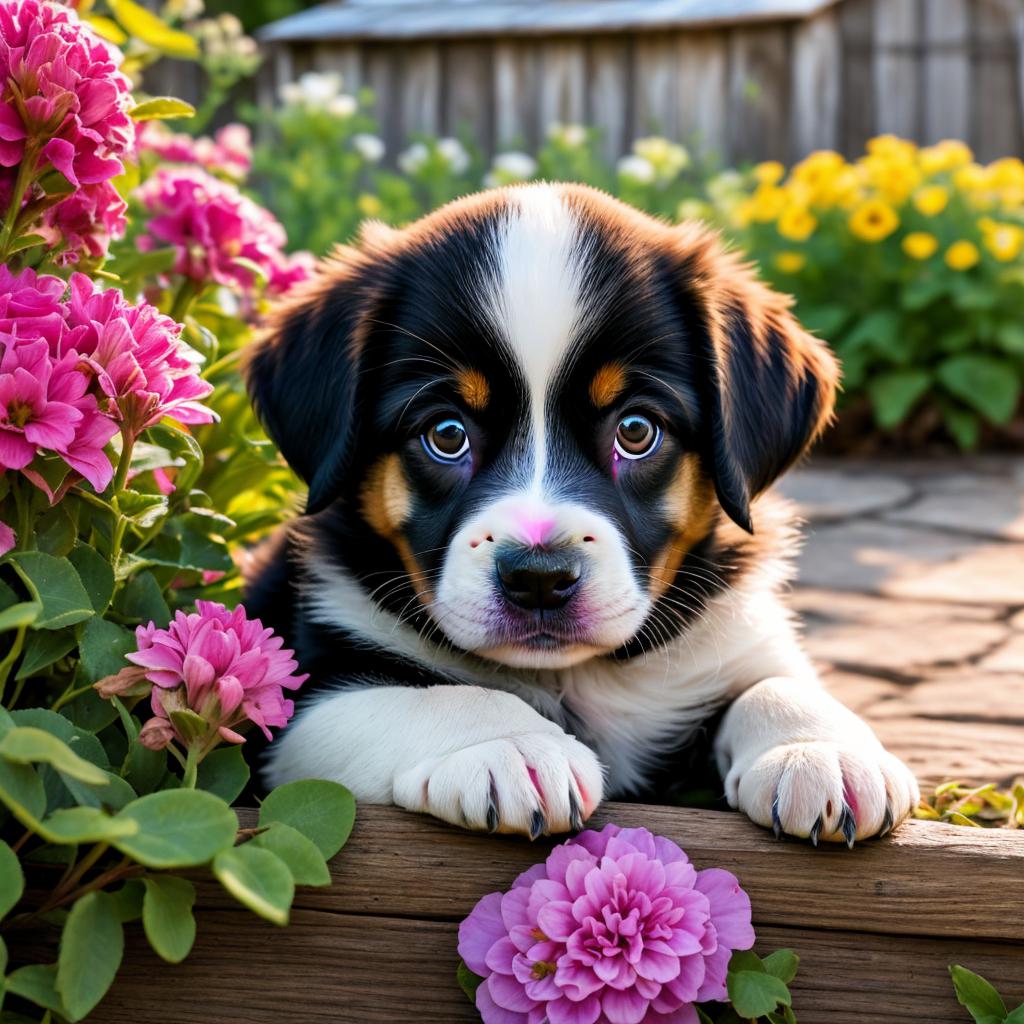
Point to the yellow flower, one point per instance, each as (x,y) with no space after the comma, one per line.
(1007,173)
(895,179)
(873,220)
(769,173)
(768,202)
(962,255)
(814,173)
(797,223)
(931,200)
(892,147)
(790,262)
(919,245)
(667,158)
(369,205)
(970,177)
(1004,241)
(946,155)
(693,209)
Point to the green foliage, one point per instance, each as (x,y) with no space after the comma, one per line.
(323,811)
(981,1000)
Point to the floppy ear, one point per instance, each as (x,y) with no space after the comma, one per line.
(302,372)
(771,387)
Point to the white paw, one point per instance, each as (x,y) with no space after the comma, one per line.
(824,790)
(534,783)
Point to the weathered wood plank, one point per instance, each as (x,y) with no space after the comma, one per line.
(656,98)
(996,99)
(947,70)
(857,95)
(608,93)
(346,968)
(380,70)
(817,60)
(399,864)
(562,88)
(419,103)
(345,60)
(468,92)
(516,82)
(897,85)
(759,94)
(702,63)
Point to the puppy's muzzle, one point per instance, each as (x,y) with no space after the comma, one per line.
(537,579)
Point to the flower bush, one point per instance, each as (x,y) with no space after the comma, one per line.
(131,471)
(618,927)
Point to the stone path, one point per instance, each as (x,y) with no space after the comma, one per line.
(911,588)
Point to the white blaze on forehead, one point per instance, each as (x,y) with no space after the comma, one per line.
(536,305)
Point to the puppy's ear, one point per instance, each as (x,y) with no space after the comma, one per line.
(302,373)
(771,386)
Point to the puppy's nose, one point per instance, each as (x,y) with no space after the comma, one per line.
(536,579)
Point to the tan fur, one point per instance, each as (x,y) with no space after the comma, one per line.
(690,504)
(608,383)
(473,388)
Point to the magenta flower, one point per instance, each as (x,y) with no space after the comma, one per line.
(227,154)
(224,667)
(615,927)
(212,226)
(83,225)
(7,538)
(63,97)
(141,365)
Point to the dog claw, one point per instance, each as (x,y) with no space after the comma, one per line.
(537,824)
(816,831)
(575,813)
(776,820)
(492,809)
(886,820)
(848,826)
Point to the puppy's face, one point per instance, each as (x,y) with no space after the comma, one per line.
(537,402)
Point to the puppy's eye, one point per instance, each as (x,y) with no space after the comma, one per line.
(636,436)
(446,441)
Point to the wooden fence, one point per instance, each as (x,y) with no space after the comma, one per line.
(875,927)
(925,69)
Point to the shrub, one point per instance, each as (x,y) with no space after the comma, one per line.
(131,468)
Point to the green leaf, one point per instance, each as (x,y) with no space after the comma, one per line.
(182,445)
(83,743)
(26,744)
(782,964)
(22,614)
(91,947)
(923,291)
(322,811)
(301,856)
(128,900)
(258,273)
(24,242)
(257,879)
(469,981)
(139,22)
(190,724)
(43,648)
(144,510)
(963,425)
(12,881)
(96,575)
(987,384)
(73,825)
(754,994)
(167,916)
(38,984)
(178,828)
(55,584)
(1010,336)
(224,772)
(1015,1016)
(103,647)
(113,792)
(895,393)
(23,792)
(160,108)
(146,768)
(143,601)
(976,994)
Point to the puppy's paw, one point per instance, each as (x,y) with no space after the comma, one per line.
(824,790)
(534,783)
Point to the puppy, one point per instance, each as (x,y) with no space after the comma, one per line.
(535,563)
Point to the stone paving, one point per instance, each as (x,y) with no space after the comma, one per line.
(911,589)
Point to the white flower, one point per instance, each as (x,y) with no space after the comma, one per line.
(667,158)
(725,185)
(229,25)
(571,135)
(636,168)
(412,159)
(341,106)
(455,155)
(184,9)
(319,87)
(509,167)
(369,147)
(290,94)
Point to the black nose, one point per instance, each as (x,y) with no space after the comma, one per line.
(537,579)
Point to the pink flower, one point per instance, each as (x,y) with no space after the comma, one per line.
(141,364)
(7,538)
(615,927)
(84,223)
(224,667)
(228,154)
(63,94)
(212,226)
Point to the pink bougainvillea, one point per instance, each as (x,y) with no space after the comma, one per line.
(615,927)
(219,234)
(227,154)
(219,664)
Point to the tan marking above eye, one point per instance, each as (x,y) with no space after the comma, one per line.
(608,383)
(473,388)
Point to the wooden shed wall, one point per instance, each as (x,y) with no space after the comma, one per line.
(925,69)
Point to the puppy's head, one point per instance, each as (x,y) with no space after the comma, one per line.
(535,402)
